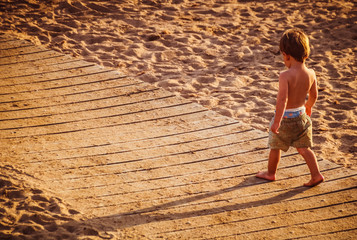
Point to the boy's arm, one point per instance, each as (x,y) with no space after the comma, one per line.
(313,93)
(281,102)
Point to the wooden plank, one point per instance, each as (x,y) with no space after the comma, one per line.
(26,54)
(39,71)
(123,136)
(108,146)
(13,44)
(69,95)
(239,214)
(116,120)
(192,182)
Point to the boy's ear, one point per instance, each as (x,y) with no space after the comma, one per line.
(286,56)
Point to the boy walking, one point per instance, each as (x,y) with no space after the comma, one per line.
(291,125)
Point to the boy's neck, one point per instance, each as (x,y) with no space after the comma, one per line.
(294,64)
(297,64)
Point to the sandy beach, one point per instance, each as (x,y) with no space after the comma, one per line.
(223,55)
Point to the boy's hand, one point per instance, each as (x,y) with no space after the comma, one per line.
(275,127)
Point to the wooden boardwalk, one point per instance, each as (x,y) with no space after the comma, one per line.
(151,165)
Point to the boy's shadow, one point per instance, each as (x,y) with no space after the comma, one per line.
(149,215)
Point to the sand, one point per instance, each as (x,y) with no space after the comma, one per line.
(29,213)
(223,55)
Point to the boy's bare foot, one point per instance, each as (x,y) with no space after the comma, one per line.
(266,176)
(314,182)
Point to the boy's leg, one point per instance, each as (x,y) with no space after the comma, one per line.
(274,158)
(311,161)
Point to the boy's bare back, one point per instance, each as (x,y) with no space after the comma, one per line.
(300,81)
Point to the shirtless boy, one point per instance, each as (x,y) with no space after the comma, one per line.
(291,125)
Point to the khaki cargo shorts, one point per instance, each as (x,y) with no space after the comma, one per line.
(295,132)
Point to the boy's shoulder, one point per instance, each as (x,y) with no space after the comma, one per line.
(289,73)
(286,74)
(310,71)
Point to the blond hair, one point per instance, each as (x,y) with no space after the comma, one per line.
(295,43)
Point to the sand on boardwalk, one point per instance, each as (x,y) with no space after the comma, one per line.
(221,54)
